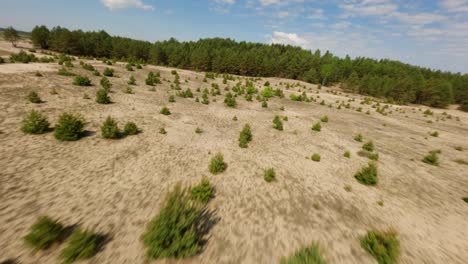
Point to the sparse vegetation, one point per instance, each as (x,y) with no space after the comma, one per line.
(33,97)
(217,164)
(131,128)
(384,246)
(44,233)
(277,123)
(307,255)
(165,111)
(317,127)
(432,158)
(69,127)
(315,157)
(108,72)
(369,146)
(35,123)
(110,129)
(203,192)
(269,175)
(367,175)
(82,244)
(324,119)
(358,137)
(229,100)
(102,96)
(245,136)
(347,154)
(82,81)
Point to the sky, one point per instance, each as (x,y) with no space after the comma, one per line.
(431,34)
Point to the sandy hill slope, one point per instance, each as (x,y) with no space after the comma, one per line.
(117,186)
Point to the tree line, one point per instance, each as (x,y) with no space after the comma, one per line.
(394,80)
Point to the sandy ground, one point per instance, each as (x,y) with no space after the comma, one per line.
(117,186)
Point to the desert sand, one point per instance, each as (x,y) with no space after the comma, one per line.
(117,186)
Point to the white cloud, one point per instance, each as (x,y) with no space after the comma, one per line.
(227,2)
(289,39)
(123,4)
(455,5)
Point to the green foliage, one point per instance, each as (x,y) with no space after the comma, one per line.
(165,111)
(245,136)
(173,232)
(384,246)
(110,129)
(69,127)
(132,80)
(23,57)
(82,244)
(217,164)
(162,131)
(102,96)
(317,127)
(269,175)
(203,192)
(432,158)
(277,123)
(264,104)
(129,67)
(434,134)
(44,233)
(324,119)
(108,72)
(307,255)
(347,154)
(367,175)
(88,67)
(33,97)
(358,137)
(152,79)
(205,99)
(106,84)
(268,92)
(35,123)
(11,35)
(229,100)
(315,157)
(82,81)
(128,90)
(369,155)
(369,146)
(131,128)
(64,72)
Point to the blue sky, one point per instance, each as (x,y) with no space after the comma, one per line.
(428,33)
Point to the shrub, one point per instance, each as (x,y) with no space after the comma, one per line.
(38,74)
(245,136)
(171,99)
(33,97)
(127,90)
(173,232)
(110,129)
(465,199)
(2,60)
(44,233)
(217,164)
(132,81)
(108,72)
(277,123)
(152,79)
(324,119)
(82,81)
(315,157)
(65,72)
(269,175)
(367,175)
(165,111)
(369,155)
(69,127)
(264,104)
(431,158)
(369,146)
(205,99)
(347,154)
(198,130)
(229,100)
(162,131)
(129,67)
(267,92)
(317,127)
(82,244)
(23,57)
(105,83)
(310,254)
(203,192)
(88,67)
(358,137)
(434,134)
(131,128)
(383,246)
(459,148)
(35,123)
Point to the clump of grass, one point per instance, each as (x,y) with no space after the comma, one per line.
(369,146)
(171,99)
(367,175)
(110,129)
(128,90)
(217,164)
(315,157)
(69,127)
(459,148)
(277,123)
(317,127)
(203,192)
(245,136)
(106,84)
(198,130)
(434,134)
(165,111)
(432,158)
(35,123)
(173,232)
(82,244)
(64,72)
(44,233)
(465,199)
(131,128)
(311,254)
(369,155)
(108,72)
(324,119)
(132,80)
(81,81)
(33,97)
(102,96)
(347,154)
(162,131)
(269,175)
(230,100)
(348,188)
(358,137)
(384,246)
(264,104)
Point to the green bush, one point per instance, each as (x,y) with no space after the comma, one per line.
(277,123)
(307,255)
(105,83)
(347,154)
(132,81)
(129,67)
(269,175)
(369,155)
(432,158)
(131,128)
(217,164)
(23,57)
(165,111)
(162,131)
(267,92)
(358,137)
(82,244)
(88,67)
(127,90)
(64,72)
(102,96)
(35,123)
(82,81)
(69,127)
(108,72)
(44,233)
(317,127)
(369,146)
(324,119)
(110,129)
(367,175)
(205,99)
(152,79)
(171,99)
(203,192)
(245,136)
(264,104)
(173,232)
(198,130)
(33,97)
(229,100)
(383,246)
(434,134)
(315,157)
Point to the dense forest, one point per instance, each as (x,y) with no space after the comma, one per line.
(394,80)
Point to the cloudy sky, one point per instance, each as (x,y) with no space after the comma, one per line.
(428,33)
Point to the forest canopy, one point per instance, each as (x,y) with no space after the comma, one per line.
(394,80)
